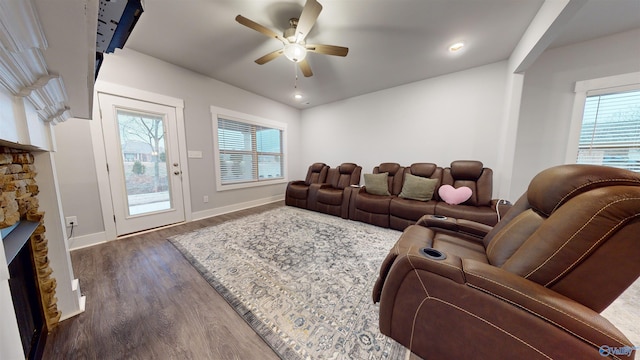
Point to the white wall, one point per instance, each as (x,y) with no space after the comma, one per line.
(547,99)
(136,70)
(451,117)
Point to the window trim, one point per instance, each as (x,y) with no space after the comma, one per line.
(585,88)
(218,112)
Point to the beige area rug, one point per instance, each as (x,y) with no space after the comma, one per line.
(301,279)
(624,313)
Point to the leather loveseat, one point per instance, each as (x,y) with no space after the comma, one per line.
(532,287)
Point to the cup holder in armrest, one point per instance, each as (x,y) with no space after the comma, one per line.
(433,254)
(439,217)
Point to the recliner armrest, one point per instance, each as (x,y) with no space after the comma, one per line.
(545,303)
(456,225)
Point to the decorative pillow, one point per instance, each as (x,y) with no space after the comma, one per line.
(376,184)
(454,196)
(418,187)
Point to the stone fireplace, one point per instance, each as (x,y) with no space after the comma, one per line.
(32,285)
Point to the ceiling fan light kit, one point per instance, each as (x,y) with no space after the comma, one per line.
(293,38)
(295,52)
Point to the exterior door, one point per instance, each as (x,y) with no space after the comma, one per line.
(141,147)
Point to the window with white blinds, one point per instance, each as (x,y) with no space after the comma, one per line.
(610,133)
(248,152)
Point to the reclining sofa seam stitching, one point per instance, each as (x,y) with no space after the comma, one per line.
(509,225)
(592,246)
(492,325)
(574,235)
(584,185)
(429,297)
(541,303)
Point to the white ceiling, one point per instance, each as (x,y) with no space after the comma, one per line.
(390,42)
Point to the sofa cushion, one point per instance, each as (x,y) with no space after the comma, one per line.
(298,191)
(411,209)
(330,196)
(374,204)
(418,188)
(376,184)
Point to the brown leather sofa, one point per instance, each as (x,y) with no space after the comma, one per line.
(333,196)
(532,287)
(398,212)
(298,191)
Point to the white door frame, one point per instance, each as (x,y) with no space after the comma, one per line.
(104,188)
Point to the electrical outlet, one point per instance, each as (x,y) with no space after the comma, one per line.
(71,221)
(205,199)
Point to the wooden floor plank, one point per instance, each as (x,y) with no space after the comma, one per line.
(145,301)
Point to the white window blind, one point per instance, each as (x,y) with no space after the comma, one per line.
(610,133)
(249,152)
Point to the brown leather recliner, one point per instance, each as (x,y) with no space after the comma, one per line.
(480,207)
(532,287)
(374,209)
(333,197)
(298,190)
(405,212)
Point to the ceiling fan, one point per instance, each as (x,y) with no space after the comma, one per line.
(293,39)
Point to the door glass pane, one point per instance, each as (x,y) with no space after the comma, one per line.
(143,147)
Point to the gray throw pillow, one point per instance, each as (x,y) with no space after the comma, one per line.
(418,188)
(376,184)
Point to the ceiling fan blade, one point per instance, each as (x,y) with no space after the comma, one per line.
(270,56)
(305,68)
(307,19)
(328,49)
(259,28)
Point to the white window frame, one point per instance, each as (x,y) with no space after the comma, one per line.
(599,86)
(218,112)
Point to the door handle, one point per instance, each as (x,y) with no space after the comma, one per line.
(175,164)
(176,173)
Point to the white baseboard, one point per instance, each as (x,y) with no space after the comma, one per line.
(83,241)
(235,207)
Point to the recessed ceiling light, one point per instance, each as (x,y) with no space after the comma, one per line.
(456,47)
(297,96)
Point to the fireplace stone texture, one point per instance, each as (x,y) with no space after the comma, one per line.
(19,201)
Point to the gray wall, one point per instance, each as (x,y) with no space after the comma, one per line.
(547,99)
(132,69)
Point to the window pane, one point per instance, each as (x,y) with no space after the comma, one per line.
(233,135)
(268,140)
(145,167)
(610,133)
(269,166)
(236,167)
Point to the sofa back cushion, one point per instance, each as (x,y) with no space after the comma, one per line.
(394,177)
(316,174)
(345,175)
(474,175)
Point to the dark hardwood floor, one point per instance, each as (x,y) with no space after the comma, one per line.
(145,301)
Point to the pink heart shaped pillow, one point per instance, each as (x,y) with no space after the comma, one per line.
(454,196)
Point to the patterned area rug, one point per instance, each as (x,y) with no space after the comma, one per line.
(301,279)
